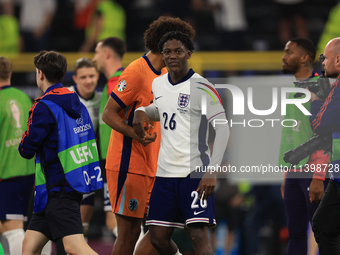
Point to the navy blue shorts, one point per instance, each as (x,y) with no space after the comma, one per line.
(174,202)
(61,216)
(88,199)
(15,194)
(107,203)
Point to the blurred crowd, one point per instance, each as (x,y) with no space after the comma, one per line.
(76,25)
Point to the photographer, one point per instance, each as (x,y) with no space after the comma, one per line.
(326,118)
(301,189)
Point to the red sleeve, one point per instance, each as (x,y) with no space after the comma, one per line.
(111,84)
(318,162)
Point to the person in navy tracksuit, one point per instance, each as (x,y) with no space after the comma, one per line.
(60,214)
(325,119)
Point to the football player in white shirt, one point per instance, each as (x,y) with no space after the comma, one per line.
(183,193)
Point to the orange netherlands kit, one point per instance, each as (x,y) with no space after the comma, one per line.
(134,89)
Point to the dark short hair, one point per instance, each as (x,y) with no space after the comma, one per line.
(307,45)
(161,26)
(183,38)
(83,62)
(52,64)
(115,44)
(5,68)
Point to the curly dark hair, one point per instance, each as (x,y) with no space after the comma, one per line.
(179,36)
(161,26)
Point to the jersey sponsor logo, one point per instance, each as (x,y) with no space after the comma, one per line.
(133,204)
(183,100)
(122,86)
(196,213)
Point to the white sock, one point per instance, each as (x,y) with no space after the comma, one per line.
(47,250)
(14,238)
(115,232)
(178,253)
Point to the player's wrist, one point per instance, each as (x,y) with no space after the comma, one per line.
(142,108)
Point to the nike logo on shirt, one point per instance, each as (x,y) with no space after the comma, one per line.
(158,97)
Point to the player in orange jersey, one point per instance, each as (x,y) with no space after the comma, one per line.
(131,161)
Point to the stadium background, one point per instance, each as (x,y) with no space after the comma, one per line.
(261,57)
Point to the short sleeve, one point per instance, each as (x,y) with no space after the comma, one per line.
(128,87)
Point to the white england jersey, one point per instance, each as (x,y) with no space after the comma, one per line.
(184,130)
(92,106)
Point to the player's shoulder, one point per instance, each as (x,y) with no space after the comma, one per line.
(40,108)
(159,81)
(161,78)
(201,82)
(71,88)
(15,92)
(135,66)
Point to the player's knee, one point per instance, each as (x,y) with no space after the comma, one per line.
(129,234)
(199,236)
(69,248)
(28,249)
(159,243)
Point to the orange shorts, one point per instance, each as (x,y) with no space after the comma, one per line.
(129,193)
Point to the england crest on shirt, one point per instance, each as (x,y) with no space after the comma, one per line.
(183,100)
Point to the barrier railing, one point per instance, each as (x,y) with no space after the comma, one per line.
(200,61)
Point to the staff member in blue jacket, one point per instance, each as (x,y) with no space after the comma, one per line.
(60,134)
(326,119)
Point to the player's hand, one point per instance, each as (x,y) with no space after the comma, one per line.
(283,189)
(316,190)
(139,120)
(147,139)
(206,186)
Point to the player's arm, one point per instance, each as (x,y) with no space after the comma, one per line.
(316,187)
(141,120)
(208,182)
(111,117)
(97,23)
(39,126)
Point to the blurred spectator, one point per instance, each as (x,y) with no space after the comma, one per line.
(35,20)
(332,28)
(108,21)
(230,22)
(291,15)
(9,28)
(83,14)
(64,36)
(185,12)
